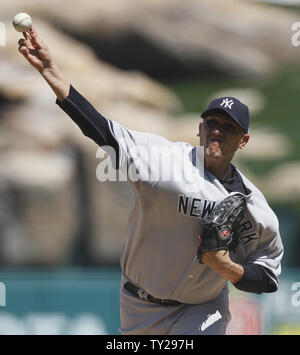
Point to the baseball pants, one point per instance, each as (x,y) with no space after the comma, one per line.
(141,317)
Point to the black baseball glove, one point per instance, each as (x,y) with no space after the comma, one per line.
(220,229)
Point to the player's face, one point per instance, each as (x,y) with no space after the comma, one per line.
(221,136)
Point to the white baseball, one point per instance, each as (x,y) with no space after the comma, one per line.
(22,22)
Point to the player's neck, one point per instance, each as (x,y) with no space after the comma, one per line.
(220,169)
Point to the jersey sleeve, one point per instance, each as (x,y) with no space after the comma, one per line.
(269,250)
(123,145)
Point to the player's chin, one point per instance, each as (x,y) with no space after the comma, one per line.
(213,153)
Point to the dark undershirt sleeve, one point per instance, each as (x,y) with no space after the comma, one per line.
(257,279)
(89,120)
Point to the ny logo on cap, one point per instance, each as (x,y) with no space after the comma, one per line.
(227,103)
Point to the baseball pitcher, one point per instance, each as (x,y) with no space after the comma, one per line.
(197,222)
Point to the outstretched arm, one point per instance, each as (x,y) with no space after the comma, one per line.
(39,56)
(89,120)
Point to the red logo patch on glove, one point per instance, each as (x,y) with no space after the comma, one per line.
(224,233)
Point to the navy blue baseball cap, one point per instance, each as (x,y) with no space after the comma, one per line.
(238,111)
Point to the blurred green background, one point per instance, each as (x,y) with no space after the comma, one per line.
(281,111)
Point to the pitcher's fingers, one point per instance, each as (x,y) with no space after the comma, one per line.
(35,38)
(24,50)
(27,35)
(26,43)
(21,42)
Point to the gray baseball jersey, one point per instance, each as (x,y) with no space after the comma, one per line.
(173,194)
(161,235)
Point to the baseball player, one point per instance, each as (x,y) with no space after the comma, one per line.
(187,236)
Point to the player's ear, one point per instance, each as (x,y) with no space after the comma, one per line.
(244,140)
(200,126)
